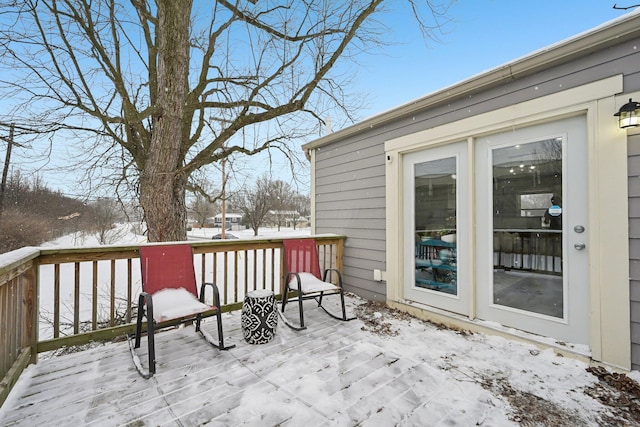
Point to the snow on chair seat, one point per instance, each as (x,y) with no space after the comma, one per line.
(310,283)
(170,293)
(172,303)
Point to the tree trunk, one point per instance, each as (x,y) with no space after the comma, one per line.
(162,184)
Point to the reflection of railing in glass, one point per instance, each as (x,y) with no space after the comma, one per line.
(526,249)
(436,265)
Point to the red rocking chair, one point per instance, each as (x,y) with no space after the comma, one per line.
(303,277)
(170,296)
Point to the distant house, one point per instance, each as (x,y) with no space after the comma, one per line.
(232,221)
(507,203)
(283,218)
(302,222)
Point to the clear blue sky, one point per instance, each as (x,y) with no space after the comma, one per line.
(481,35)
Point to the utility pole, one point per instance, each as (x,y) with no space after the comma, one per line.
(224,202)
(5,170)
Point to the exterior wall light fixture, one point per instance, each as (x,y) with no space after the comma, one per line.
(629,114)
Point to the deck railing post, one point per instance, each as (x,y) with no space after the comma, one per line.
(282,269)
(18,316)
(33,309)
(339,254)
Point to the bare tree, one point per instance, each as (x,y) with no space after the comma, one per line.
(254,203)
(162,88)
(281,194)
(201,209)
(106,212)
(5,168)
(301,205)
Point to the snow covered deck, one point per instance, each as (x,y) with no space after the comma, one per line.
(382,369)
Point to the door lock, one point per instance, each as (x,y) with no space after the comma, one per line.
(579,246)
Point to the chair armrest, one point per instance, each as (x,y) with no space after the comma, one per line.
(216,294)
(287,277)
(332,270)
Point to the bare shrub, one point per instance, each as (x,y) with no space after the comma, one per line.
(18,229)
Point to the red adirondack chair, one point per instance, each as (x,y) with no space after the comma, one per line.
(170,296)
(303,276)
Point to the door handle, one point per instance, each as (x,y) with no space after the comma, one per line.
(579,246)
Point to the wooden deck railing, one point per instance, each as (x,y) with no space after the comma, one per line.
(18,316)
(52,298)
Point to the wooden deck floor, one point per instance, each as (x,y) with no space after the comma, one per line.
(328,374)
(332,374)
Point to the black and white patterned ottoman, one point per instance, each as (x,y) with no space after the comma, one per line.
(259,316)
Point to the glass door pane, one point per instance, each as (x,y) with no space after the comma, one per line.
(435,213)
(527,227)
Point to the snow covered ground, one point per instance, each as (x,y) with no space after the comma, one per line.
(124,234)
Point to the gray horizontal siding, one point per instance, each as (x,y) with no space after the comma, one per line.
(350,200)
(634,183)
(369,178)
(633,148)
(363,159)
(634,272)
(365,231)
(364,192)
(336,200)
(634,243)
(635,338)
(372,212)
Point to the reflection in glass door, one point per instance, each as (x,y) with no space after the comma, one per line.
(435,225)
(527,227)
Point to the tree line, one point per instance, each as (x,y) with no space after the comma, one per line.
(265,200)
(33,214)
